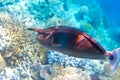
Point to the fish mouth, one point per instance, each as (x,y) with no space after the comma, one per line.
(40,32)
(36,30)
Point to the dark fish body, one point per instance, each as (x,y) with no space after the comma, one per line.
(74,42)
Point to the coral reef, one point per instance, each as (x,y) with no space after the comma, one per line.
(57,72)
(90,66)
(108,75)
(9,74)
(104,39)
(87,27)
(46,9)
(15,39)
(19,47)
(56,21)
(116,75)
(2,63)
(84,9)
(52,14)
(23,53)
(10,2)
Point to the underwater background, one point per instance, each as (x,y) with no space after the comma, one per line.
(23,58)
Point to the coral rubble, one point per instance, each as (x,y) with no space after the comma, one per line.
(58,72)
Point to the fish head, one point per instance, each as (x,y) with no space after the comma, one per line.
(44,35)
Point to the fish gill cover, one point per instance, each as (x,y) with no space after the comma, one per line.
(22,57)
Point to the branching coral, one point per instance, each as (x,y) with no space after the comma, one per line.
(15,39)
(19,47)
(11,33)
(60,73)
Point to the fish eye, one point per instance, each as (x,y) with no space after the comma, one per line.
(45,34)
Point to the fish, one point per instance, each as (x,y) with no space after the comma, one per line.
(74,42)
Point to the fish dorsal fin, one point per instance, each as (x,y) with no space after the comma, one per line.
(94,43)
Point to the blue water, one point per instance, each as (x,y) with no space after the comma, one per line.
(111,10)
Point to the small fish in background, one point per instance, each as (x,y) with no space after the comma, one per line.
(74,42)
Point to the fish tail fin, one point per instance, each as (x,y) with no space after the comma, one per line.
(114,58)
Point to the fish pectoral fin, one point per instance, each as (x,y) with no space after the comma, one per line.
(56,45)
